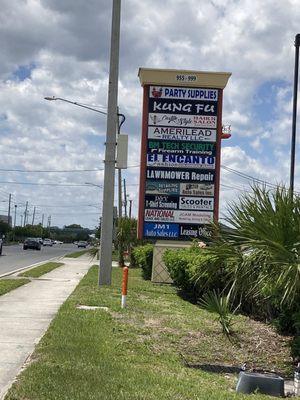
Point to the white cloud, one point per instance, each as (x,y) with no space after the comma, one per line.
(67,45)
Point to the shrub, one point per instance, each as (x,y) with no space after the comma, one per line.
(180,263)
(219,304)
(143,257)
(196,270)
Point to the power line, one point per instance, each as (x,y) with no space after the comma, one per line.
(51,170)
(65,206)
(58,170)
(45,184)
(249,177)
(77,213)
(230,187)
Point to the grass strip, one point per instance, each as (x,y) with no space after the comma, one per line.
(77,254)
(41,269)
(6,285)
(138,353)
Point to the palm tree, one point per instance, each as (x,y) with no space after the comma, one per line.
(266,233)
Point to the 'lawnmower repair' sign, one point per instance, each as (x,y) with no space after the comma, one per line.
(179,186)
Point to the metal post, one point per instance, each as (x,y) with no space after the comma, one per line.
(15,220)
(120,248)
(119,180)
(8,214)
(293,144)
(130,208)
(110,151)
(125,199)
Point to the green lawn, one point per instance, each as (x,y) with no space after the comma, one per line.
(156,349)
(77,254)
(6,285)
(41,269)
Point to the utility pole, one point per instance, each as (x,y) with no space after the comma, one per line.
(42,225)
(25,213)
(130,208)
(125,198)
(49,224)
(33,216)
(15,220)
(8,214)
(110,151)
(293,144)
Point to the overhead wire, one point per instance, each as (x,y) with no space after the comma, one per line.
(58,170)
(254,179)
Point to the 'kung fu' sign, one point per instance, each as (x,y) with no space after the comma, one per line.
(180,162)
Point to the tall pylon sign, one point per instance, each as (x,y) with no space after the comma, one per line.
(180,153)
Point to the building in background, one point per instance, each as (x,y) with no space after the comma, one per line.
(4,218)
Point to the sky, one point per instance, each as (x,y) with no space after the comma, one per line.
(61,48)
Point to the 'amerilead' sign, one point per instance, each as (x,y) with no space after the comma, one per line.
(180,161)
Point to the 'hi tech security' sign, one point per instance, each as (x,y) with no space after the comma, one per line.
(181,146)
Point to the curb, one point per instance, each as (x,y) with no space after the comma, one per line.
(30,266)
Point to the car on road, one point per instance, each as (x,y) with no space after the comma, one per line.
(47,242)
(82,243)
(31,243)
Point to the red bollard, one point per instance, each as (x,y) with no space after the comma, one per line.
(124,287)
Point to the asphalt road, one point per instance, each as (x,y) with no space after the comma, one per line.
(14,257)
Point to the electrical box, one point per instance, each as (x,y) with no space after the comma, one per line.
(122,151)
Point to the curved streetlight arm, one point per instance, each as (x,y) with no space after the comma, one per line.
(53,98)
(93,184)
(75,103)
(123,120)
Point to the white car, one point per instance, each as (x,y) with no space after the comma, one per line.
(47,242)
(82,243)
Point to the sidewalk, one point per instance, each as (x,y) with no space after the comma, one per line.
(26,312)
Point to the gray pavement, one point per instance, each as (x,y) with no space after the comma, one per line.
(14,257)
(26,312)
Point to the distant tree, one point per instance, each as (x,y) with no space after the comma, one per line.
(73,226)
(82,235)
(4,228)
(98,230)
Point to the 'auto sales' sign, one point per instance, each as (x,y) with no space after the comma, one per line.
(180,160)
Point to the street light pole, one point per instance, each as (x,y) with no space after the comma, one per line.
(293,144)
(8,213)
(120,174)
(110,151)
